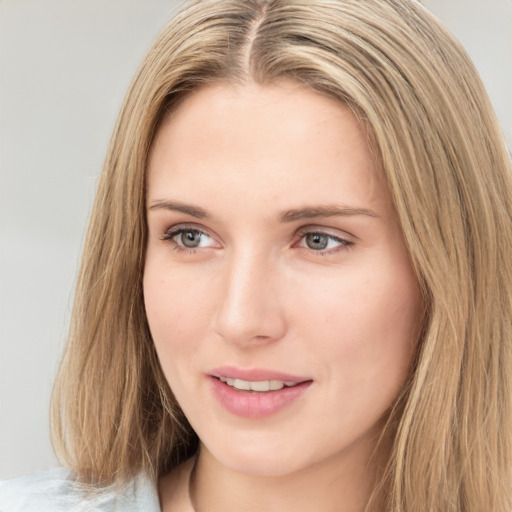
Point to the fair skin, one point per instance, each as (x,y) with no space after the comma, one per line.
(274,249)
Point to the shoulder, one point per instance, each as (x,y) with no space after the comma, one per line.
(57,491)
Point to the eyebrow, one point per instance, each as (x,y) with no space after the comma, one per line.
(176,206)
(309,212)
(324,211)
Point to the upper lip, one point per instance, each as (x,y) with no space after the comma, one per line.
(255,374)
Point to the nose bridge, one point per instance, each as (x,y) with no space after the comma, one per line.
(249,309)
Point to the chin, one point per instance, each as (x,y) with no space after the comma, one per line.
(260,455)
(260,466)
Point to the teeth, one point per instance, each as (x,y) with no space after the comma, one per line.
(242,384)
(274,385)
(257,385)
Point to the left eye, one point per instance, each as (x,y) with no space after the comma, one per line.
(321,241)
(190,238)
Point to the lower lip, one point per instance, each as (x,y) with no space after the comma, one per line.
(253,404)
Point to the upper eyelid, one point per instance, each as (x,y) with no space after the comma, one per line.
(341,234)
(176,228)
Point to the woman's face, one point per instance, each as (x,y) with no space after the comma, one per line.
(278,289)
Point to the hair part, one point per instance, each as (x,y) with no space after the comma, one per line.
(433,132)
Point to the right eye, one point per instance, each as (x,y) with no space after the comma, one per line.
(188,238)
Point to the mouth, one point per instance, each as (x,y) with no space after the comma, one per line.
(257,393)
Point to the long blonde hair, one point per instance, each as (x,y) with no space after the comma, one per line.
(432,128)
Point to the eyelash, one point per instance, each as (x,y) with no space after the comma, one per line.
(172,233)
(344,243)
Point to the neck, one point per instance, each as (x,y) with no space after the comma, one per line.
(342,483)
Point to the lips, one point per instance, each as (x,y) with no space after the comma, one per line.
(256,393)
(255,374)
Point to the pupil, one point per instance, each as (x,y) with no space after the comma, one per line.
(191,238)
(317,241)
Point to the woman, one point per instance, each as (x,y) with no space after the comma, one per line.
(296,289)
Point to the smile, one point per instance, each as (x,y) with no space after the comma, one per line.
(256,393)
(260,386)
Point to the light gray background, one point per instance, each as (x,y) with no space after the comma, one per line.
(64,68)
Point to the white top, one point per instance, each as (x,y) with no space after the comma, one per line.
(56,491)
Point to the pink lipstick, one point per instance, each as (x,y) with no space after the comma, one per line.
(256,393)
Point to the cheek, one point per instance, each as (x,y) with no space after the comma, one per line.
(174,299)
(365,327)
(175,313)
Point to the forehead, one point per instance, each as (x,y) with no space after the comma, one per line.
(280,142)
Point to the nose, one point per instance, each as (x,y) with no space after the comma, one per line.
(250,311)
